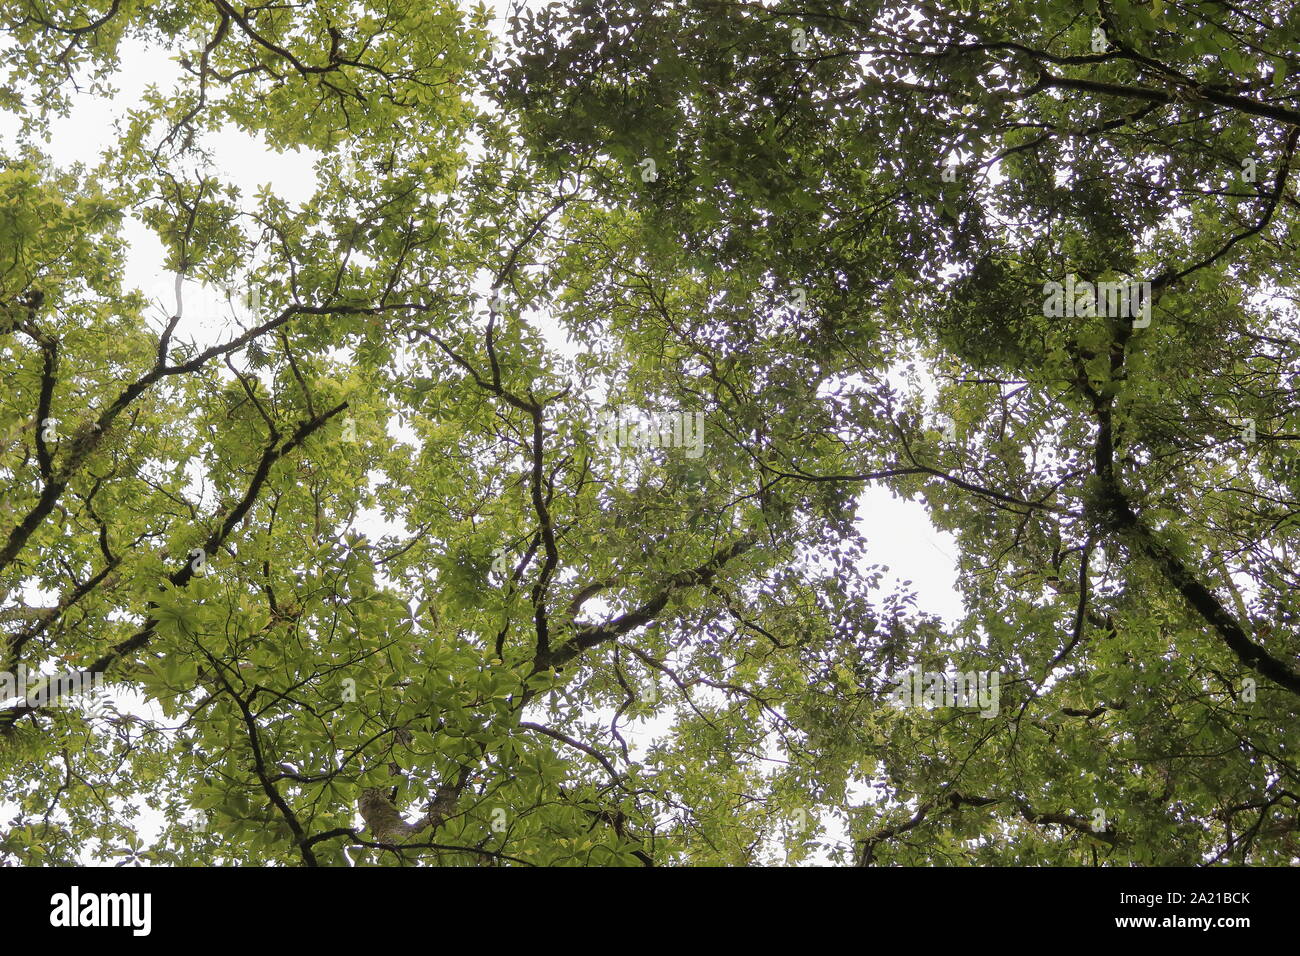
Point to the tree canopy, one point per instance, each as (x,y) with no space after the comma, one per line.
(377,577)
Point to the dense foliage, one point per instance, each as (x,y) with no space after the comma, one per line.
(373,551)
